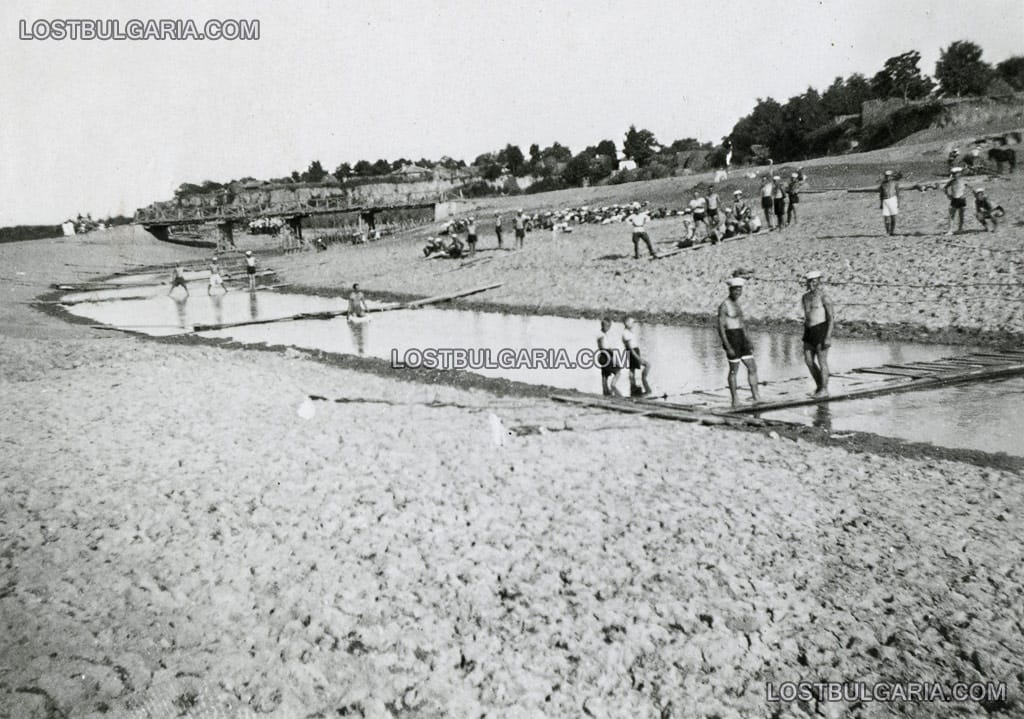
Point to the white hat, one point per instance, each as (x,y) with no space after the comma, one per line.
(978,189)
(887,173)
(215,256)
(794,174)
(248,252)
(956,169)
(737,192)
(813,275)
(735,282)
(776,177)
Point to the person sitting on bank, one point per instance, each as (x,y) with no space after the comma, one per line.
(984,211)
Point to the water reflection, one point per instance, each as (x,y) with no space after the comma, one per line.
(822,417)
(254,305)
(358,329)
(218,308)
(180,307)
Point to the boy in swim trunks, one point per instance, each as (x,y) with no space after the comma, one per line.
(178,280)
(779,202)
(766,200)
(519,224)
(734,340)
(818,322)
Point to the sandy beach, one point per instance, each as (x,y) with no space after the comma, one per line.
(186,534)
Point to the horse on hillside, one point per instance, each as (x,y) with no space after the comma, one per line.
(1000,155)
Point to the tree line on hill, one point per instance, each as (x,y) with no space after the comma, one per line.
(807,125)
(18,233)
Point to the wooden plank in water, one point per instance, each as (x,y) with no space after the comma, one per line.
(932,382)
(891,371)
(451,296)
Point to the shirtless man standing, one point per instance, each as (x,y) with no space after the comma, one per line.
(356,302)
(734,340)
(250,269)
(178,280)
(956,190)
(889,201)
(818,322)
(636,361)
(767,187)
(497,227)
(215,279)
(607,362)
(519,224)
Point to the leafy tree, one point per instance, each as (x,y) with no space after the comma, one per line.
(606,148)
(314,173)
(381,167)
(801,115)
(1012,70)
(577,169)
(296,176)
(901,77)
(684,145)
(961,71)
(514,160)
(762,127)
(343,171)
(484,159)
(363,168)
(639,145)
(534,153)
(844,97)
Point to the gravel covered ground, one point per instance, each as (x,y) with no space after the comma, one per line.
(184,534)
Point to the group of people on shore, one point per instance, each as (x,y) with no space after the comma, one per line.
(819,322)
(956,189)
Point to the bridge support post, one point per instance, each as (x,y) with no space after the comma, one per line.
(226,236)
(294,238)
(161,232)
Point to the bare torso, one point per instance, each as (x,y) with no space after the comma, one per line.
(814,308)
(732,314)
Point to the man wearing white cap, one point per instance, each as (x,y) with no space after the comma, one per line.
(793,190)
(638,219)
(250,269)
(956,190)
(740,213)
(519,224)
(889,201)
(734,340)
(215,279)
(818,322)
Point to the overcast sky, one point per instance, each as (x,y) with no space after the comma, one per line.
(107,127)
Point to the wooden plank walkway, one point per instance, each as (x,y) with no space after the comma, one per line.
(867,382)
(714,406)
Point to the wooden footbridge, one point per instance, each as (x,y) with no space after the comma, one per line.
(714,406)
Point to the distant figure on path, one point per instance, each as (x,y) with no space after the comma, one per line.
(956,190)
(818,322)
(519,223)
(767,187)
(215,279)
(734,340)
(471,235)
(889,201)
(779,202)
(178,280)
(497,227)
(636,362)
(793,191)
(250,269)
(606,360)
(639,220)
(356,302)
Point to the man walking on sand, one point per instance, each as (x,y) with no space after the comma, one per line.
(956,190)
(889,201)
(519,223)
(639,220)
(734,340)
(818,322)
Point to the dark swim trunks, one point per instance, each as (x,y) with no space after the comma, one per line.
(741,347)
(250,270)
(178,282)
(606,361)
(766,203)
(471,239)
(958,203)
(634,359)
(794,199)
(814,337)
(780,205)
